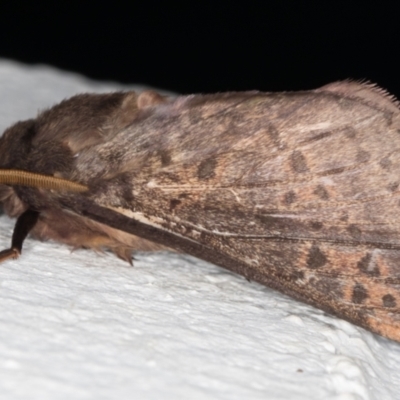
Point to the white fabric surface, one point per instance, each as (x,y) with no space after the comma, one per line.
(86,326)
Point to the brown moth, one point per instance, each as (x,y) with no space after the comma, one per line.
(298,191)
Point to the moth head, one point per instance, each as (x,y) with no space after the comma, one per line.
(15,140)
(37,152)
(12,144)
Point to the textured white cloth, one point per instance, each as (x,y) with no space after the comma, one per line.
(87,326)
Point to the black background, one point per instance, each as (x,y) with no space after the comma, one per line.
(208,47)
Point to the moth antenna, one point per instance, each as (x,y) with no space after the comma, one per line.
(24,178)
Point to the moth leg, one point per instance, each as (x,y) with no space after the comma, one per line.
(25,223)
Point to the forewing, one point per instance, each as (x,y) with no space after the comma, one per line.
(301,189)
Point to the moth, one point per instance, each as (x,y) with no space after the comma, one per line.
(298,191)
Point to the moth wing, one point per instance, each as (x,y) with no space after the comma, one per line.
(294,190)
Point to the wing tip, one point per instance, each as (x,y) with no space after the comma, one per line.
(365,90)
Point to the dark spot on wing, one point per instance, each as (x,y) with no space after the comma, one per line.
(333,171)
(365,266)
(297,275)
(173,204)
(350,132)
(385,163)
(170,176)
(316,258)
(123,186)
(321,192)
(392,187)
(273,133)
(318,136)
(344,217)
(331,288)
(316,225)
(206,169)
(389,301)
(362,156)
(354,231)
(279,224)
(165,157)
(298,162)
(290,197)
(391,281)
(360,294)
